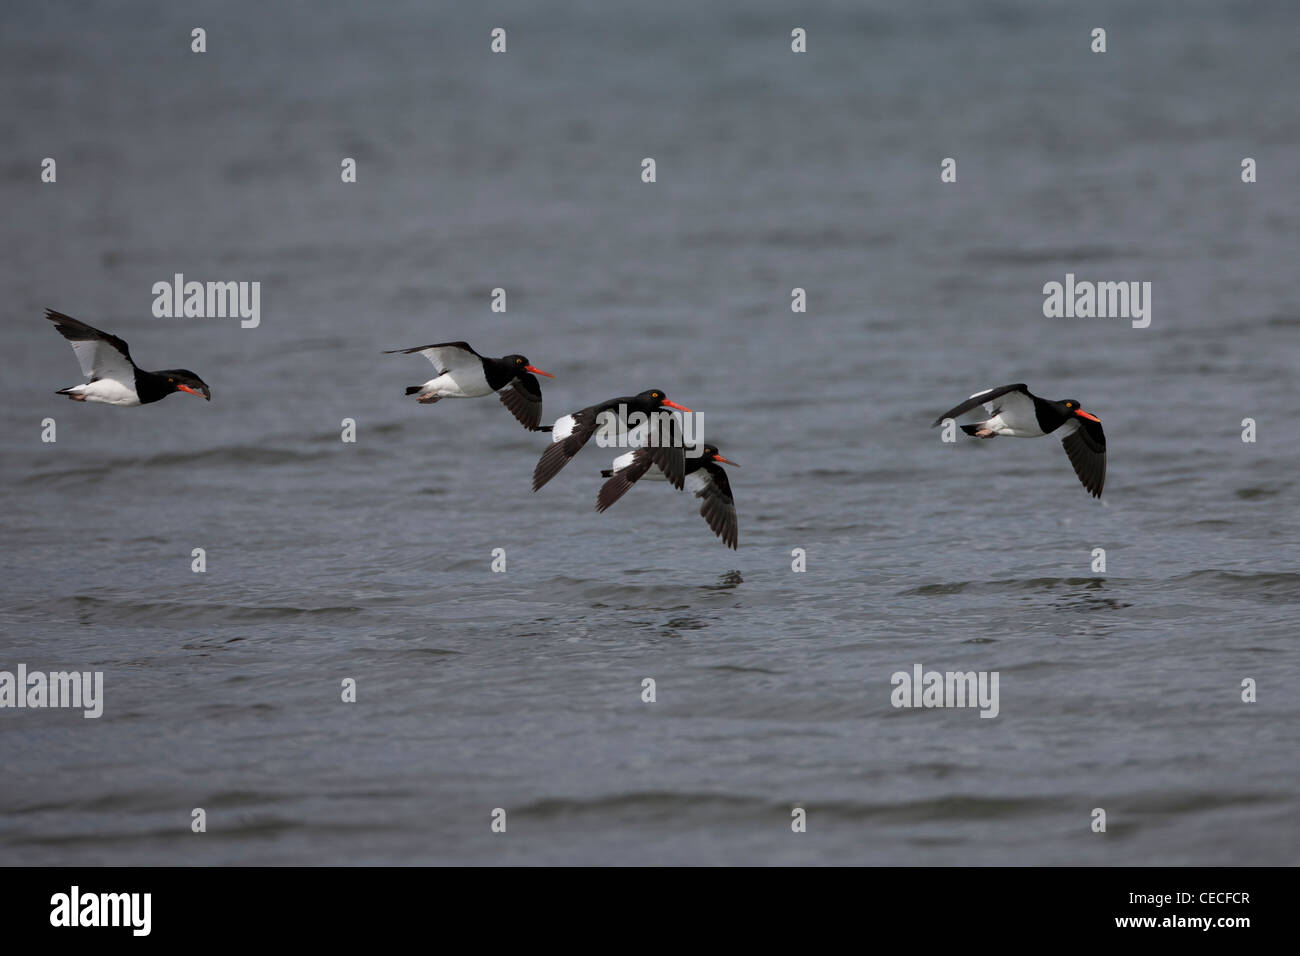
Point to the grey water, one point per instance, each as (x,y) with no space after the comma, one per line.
(371,560)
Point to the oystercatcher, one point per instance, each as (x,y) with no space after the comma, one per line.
(703,476)
(112,378)
(571,432)
(463,373)
(1016,412)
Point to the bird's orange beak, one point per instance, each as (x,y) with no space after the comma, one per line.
(680,408)
(193,391)
(725,461)
(1082,414)
(537,371)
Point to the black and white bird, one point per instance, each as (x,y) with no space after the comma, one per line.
(704,476)
(463,373)
(111,377)
(1016,412)
(637,414)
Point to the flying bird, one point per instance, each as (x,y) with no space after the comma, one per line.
(571,432)
(1016,412)
(463,373)
(704,476)
(112,378)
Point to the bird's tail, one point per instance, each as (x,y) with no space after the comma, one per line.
(607,473)
(547,428)
(412,389)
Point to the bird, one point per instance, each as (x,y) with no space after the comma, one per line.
(463,373)
(706,478)
(571,432)
(1018,413)
(112,378)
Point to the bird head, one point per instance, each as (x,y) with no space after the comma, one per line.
(655,398)
(1072,407)
(711,452)
(183,380)
(521,364)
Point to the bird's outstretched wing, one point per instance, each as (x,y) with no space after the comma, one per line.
(661,436)
(987,398)
(668,454)
(1085,444)
(101,355)
(445,356)
(523,397)
(568,435)
(623,478)
(718,507)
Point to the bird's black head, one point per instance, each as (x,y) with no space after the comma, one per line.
(183,380)
(711,453)
(520,364)
(1072,407)
(655,398)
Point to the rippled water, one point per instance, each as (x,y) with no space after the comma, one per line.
(522,690)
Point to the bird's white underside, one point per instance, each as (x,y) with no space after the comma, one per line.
(463,383)
(107,391)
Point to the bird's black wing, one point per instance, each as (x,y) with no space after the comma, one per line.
(979,398)
(718,507)
(576,430)
(671,461)
(1086,447)
(523,396)
(663,442)
(623,478)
